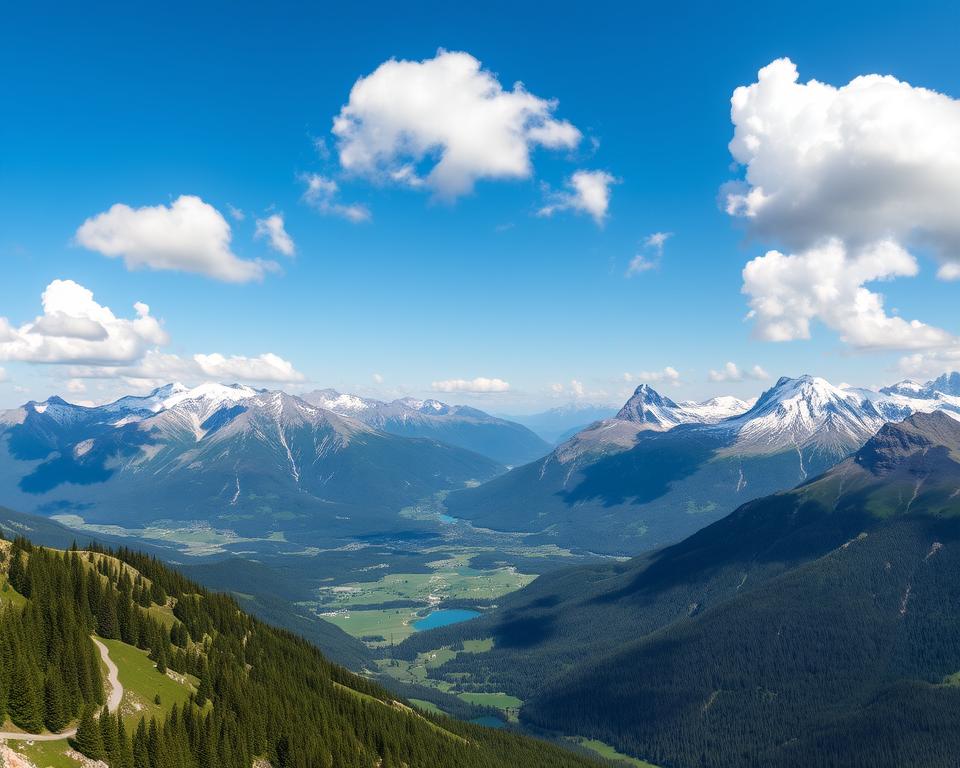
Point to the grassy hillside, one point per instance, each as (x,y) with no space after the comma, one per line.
(204,684)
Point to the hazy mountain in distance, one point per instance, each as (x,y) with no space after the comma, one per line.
(504,441)
(554,423)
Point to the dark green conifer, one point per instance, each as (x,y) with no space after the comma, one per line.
(89,740)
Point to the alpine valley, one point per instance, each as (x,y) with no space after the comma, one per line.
(395,537)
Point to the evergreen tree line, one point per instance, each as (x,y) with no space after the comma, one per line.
(262,692)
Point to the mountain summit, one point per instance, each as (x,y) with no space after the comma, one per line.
(806,411)
(648,407)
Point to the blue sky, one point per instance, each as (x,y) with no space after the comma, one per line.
(226,102)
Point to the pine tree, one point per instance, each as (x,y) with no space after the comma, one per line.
(107,617)
(141,747)
(24,702)
(89,740)
(125,747)
(16,573)
(108,735)
(55,709)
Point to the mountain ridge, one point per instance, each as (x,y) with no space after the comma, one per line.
(502,440)
(629,480)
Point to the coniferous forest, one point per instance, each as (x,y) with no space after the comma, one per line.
(261,693)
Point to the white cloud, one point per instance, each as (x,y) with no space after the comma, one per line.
(157,367)
(642,262)
(847,178)
(265,367)
(74,328)
(731,372)
(668,374)
(274,230)
(931,363)
(76,386)
(787,292)
(377,378)
(874,159)
(188,235)
(588,192)
(477,385)
(321,195)
(449,110)
(87,338)
(236,213)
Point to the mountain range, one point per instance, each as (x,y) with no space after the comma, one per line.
(659,470)
(793,631)
(254,460)
(327,465)
(499,439)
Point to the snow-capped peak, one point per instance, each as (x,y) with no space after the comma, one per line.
(424,406)
(338,402)
(807,410)
(212,394)
(151,403)
(716,408)
(647,406)
(947,384)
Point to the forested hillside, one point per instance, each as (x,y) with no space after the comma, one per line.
(259,692)
(795,631)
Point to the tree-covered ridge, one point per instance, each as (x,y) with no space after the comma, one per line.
(262,692)
(813,627)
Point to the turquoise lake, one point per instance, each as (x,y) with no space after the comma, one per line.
(443,618)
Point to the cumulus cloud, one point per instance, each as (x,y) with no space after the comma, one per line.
(158,367)
(449,114)
(731,372)
(272,228)
(188,235)
(787,292)
(668,374)
(847,178)
(87,338)
(478,385)
(265,367)
(74,328)
(653,255)
(587,192)
(932,363)
(321,194)
(873,159)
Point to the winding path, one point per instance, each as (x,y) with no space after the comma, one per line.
(113,703)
